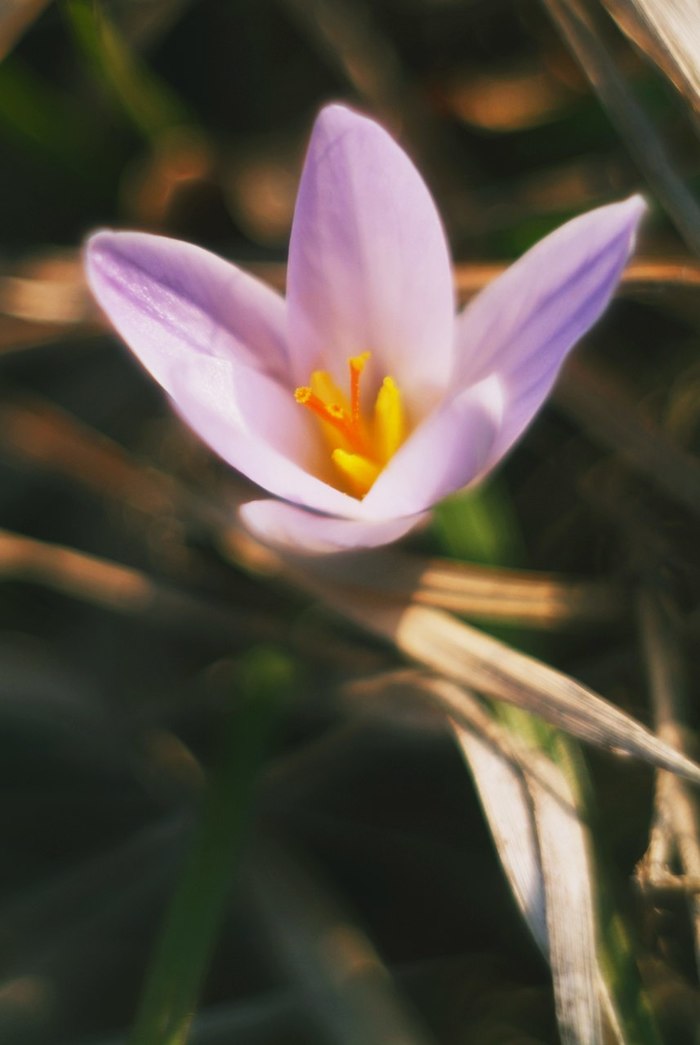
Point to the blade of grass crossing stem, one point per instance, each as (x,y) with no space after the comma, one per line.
(191,924)
(537,837)
(540,840)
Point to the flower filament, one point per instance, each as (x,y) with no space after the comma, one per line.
(359,446)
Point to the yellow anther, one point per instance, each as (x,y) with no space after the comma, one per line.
(357,470)
(389,421)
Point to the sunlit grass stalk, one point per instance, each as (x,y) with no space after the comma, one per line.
(192,921)
(497,541)
(615,948)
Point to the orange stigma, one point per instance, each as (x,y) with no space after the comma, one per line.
(357,365)
(332,414)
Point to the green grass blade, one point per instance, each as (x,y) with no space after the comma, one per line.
(42,122)
(188,934)
(149,104)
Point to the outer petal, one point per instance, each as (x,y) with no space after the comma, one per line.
(169,300)
(449,450)
(524,323)
(369,266)
(255,425)
(295,529)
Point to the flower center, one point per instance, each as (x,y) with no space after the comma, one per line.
(360,446)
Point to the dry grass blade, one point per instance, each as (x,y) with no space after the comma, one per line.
(489,666)
(350,40)
(629,118)
(496,760)
(123,589)
(668,284)
(36,690)
(145,22)
(668,31)
(603,407)
(509,811)
(134,593)
(661,274)
(43,299)
(16,17)
(276,1016)
(466,655)
(507,99)
(541,820)
(643,276)
(61,925)
(84,890)
(19,334)
(48,289)
(570,921)
(515,596)
(45,435)
(351,993)
(495,764)
(41,433)
(676,827)
(354,41)
(541,840)
(38,432)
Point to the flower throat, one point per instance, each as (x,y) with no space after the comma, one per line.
(360,446)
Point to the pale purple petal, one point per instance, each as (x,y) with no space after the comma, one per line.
(170,300)
(294,529)
(254,424)
(524,323)
(449,450)
(369,266)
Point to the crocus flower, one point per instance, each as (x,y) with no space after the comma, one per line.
(362,399)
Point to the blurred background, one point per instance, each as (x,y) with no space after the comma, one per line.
(132,631)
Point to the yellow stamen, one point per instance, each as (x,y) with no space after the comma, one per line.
(389,420)
(359,446)
(358,471)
